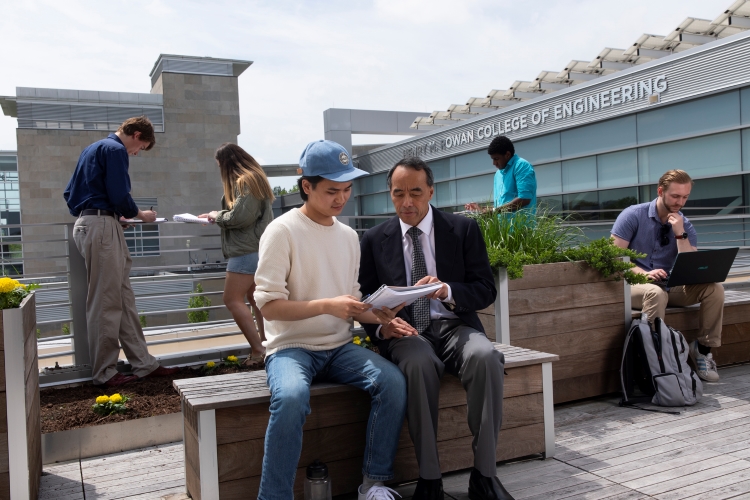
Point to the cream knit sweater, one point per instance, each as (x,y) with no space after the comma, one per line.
(303,260)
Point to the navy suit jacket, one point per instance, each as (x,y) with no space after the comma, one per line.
(460,258)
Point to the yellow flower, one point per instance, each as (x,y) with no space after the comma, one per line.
(102,400)
(7,285)
(210,364)
(115,398)
(22,286)
(232,358)
(367,339)
(357,341)
(356,338)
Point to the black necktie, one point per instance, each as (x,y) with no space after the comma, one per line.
(420,310)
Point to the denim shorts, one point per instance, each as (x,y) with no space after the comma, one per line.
(244,264)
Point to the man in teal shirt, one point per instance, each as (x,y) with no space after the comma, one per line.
(515,181)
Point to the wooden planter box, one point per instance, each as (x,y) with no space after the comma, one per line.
(570,310)
(20,424)
(226,416)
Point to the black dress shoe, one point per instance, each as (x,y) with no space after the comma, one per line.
(486,488)
(428,489)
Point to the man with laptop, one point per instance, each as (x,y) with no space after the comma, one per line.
(659,230)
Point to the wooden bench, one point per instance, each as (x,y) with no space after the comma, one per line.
(225,419)
(735,335)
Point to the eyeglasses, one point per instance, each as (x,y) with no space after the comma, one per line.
(664,234)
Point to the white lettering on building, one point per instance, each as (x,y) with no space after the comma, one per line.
(590,103)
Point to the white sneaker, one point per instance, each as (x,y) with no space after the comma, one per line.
(705,365)
(377,493)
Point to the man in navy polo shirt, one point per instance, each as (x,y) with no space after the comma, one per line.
(99,194)
(659,230)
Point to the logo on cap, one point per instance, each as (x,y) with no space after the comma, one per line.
(344,159)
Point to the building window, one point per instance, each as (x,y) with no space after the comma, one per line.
(475,189)
(539,149)
(692,117)
(548,178)
(700,157)
(143,240)
(601,136)
(375,204)
(372,183)
(617,169)
(579,174)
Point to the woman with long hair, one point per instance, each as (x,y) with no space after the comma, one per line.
(246,211)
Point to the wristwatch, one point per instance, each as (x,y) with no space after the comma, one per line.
(684,236)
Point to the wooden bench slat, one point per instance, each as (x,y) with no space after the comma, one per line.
(227,391)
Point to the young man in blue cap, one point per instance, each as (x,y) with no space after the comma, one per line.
(308,292)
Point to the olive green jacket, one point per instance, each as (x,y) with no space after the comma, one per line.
(243,225)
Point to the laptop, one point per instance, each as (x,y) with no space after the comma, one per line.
(703,266)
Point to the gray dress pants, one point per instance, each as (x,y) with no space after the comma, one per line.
(452,346)
(111,314)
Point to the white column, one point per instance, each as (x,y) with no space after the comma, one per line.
(209,463)
(502,316)
(549,411)
(15,387)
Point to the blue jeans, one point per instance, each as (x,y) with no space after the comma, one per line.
(290,373)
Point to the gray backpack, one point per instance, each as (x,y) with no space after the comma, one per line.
(654,367)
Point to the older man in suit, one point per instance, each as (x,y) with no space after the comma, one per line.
(423,245)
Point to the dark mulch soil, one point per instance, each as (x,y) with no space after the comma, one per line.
(70,408)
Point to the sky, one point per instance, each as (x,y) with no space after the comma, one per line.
(400,55)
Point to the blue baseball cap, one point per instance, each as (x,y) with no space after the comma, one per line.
(329,160)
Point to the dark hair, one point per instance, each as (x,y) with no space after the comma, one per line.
(313,180)
(139,124)
(500,146)
(415,163)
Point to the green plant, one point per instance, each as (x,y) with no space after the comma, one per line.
(12,292)
(107,405)
(522,238)
(142,319)
(209,368)
(607,258)
(66,329)
(198,301)
(514,240)
(363,342)
(231,360)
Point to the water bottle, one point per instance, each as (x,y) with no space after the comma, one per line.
(317,484)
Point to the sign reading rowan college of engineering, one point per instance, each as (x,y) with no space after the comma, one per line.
(590,103)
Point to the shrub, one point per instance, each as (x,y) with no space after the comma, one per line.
(198,301)
(523,238)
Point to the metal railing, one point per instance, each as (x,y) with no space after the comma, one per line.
(164,284)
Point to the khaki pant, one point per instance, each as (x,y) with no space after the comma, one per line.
(654,300)
(111,315)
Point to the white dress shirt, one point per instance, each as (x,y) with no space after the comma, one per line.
(427,239)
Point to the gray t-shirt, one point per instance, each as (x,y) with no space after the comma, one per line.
(641,226)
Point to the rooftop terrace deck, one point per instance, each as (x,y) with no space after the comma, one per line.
(603,452)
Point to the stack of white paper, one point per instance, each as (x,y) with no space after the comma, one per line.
(131,222)
(190,218)
(392,296)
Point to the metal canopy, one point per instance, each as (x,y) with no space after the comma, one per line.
(690,33)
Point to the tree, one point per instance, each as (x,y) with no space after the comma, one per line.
(279,191)
(197,301)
